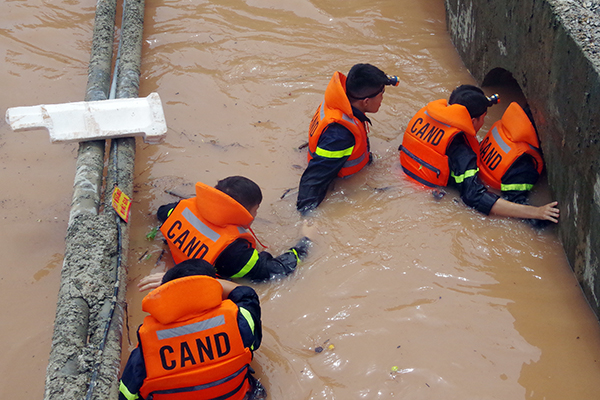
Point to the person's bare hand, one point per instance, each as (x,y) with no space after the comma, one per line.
(151,281)
(549,212)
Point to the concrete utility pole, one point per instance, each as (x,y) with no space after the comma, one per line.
(86,345)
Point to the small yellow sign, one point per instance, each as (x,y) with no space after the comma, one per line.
(121,203)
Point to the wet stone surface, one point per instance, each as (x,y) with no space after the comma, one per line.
(582,19)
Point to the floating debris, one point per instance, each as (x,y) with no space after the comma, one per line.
(152,234)
(438,194)
(142,256)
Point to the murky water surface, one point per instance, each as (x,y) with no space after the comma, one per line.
(418,298)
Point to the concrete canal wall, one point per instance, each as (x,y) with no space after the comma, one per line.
(552,50)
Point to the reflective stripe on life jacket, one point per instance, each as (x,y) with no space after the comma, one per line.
(203,226)
(426,140)
(191,344)
(510,137)
(336,108)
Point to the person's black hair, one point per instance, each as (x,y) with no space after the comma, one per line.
(472,97)
(242,190)
(190,267)
(365,80)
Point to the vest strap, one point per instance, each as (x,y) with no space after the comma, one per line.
(419,179)
(351,163)
(208,386)
(422,162)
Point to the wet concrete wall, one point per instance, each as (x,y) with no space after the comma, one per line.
(550,49)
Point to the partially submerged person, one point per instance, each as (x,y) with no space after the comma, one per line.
(338,143)
(440,148)
(197,341)
(215,226)
(510,158)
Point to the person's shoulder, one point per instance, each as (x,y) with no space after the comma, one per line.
(240,244)
(163,211)
(244,294)
(459,139)
(334,134)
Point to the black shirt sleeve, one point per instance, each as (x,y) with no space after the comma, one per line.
(163,211)
(245,297)
(321,171)
(239,253)
(461,158)
(134,374)
(522,172)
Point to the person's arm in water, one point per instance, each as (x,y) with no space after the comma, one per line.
(547,212)
(334,148)
(519,179)
(133,376)
(241,260)
(464,176)
(249,316)
(517,183)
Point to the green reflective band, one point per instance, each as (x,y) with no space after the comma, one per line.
(170,211)
(248,317)
(296,254)
(521,187)
(334,154)
(249,265)
(469,173)
(125,391)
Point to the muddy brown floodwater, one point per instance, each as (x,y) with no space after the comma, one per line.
(410,297)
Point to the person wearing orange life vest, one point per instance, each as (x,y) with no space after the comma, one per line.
(338,144)
(214,226)
(510,158)
(439,148)
(195,347)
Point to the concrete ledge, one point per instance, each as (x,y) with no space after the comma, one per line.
(550,49)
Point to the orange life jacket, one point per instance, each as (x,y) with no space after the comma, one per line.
(509,138)
(203,226)
(336,108)
(191,343)
(425,142)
